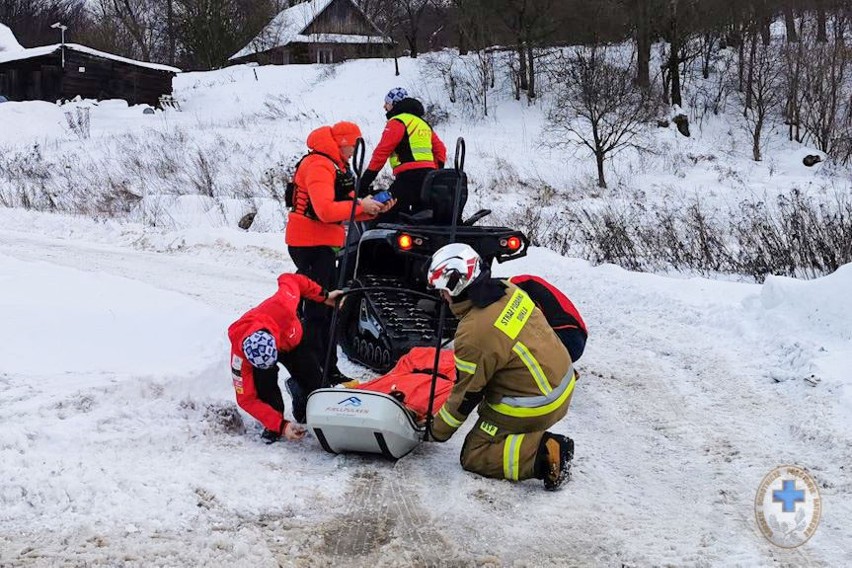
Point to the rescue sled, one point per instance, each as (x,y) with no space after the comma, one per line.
(356,420)
(386,415)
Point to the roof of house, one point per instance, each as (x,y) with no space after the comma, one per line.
(6,56)
(7,40)
(288,27)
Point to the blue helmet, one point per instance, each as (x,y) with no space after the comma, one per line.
(260,350)
(395,95)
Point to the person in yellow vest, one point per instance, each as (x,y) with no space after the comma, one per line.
(414,150)
(511,366)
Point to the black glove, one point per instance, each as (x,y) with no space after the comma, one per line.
(270,436)
(367,179)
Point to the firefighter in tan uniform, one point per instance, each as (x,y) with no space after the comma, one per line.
(510,365)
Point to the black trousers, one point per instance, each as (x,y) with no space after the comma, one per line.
(318,264)
(574,340)
(303,367)
(406,189)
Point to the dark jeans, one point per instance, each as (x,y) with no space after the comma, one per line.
(406,189)
(318,264)
(303,367)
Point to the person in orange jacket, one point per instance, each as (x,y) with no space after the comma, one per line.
(268,334)
(322,201)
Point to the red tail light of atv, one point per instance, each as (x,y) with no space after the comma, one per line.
(512,243)
(404,241)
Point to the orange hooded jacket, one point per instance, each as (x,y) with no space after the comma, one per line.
(316,177)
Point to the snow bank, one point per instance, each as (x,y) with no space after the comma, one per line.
(823,305)
(64,321)
(25,122)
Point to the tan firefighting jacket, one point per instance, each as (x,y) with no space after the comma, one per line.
(510,364)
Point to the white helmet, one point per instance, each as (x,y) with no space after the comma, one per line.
(453,268)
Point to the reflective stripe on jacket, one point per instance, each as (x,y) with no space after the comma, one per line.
(510,364)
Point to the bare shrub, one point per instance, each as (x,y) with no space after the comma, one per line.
(795,236)
(468,80)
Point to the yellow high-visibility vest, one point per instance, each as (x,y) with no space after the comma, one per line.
(419,135)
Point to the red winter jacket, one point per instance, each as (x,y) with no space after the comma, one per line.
(391,137)
(277,315)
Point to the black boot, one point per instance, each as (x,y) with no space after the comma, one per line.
(553,460)
(335,377)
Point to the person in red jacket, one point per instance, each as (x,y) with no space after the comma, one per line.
(266,335)
(322,201)
(414,150)
(560,312)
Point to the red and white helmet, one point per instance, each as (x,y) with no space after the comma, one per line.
(453,268)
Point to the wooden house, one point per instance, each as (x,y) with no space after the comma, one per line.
(64,71)
(317,31)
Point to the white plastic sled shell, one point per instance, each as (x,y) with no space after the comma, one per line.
(354,420)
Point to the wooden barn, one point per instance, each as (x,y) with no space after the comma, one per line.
(64,71)
(317,31)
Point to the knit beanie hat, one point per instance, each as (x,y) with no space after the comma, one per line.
(395,95)
(345,133)
(260,350)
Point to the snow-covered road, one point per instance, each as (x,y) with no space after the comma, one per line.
(691,391)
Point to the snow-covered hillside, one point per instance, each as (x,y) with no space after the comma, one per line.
(120,442)
(238,124)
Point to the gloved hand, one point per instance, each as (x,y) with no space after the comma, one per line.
(270,436)
(367,179)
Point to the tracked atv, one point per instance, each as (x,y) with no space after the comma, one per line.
(388,311)
(385,320)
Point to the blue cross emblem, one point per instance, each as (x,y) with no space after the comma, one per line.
(789,496)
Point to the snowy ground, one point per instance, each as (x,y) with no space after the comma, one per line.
(119,443)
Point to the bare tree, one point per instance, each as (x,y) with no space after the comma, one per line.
(793,58)
(30,20)
(137,18)
(411,12)
(530,23)
(598,105)
(210,31)
(827,95)
(765,91)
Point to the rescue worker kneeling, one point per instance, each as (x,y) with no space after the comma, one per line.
(512,366)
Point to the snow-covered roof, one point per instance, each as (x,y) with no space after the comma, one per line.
(31,52)
(7,40)
(288,25)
